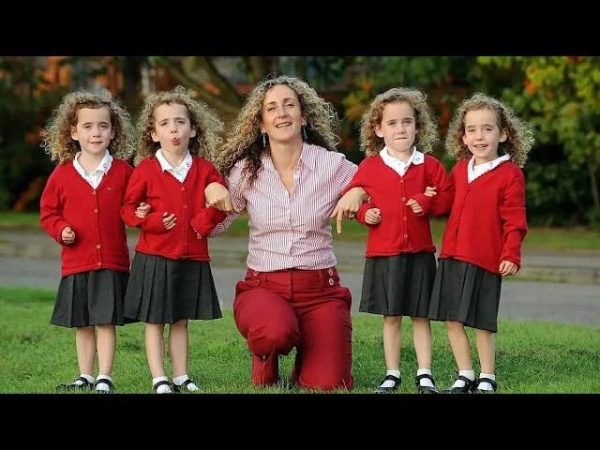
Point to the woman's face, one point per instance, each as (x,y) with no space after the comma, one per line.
(281,115)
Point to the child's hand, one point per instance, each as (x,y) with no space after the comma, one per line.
(373,216)
(198,236)
(507,268)
(414,205)
(430,191)
(142,210)
(218,197)
(68,235)
(169,220)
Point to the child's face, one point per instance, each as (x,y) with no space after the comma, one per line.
(398,126)
(172,128)
(281,115)
(93,131)
(482,134)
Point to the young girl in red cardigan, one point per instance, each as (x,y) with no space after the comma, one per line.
(89,135)
(398,129)
(171,281)
(483,235)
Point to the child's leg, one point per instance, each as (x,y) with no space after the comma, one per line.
(107,339)
(487,357)
(178,346)
(155,349)
(85,340)
(391,341)
(461,348)
(106,342)
(422,341)
(486,350)
(392,333)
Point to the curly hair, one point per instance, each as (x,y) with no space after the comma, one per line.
(243,141)
(57,141)
(519,134)
(207,124)
(372,144)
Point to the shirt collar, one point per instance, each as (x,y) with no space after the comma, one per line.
(416,157)
(104,165)
(308,158)
(165,166)
(488,165)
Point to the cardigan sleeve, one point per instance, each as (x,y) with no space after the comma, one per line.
(514,220)
(51,209)
(135,194)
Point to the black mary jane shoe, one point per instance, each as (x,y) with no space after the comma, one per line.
(466,389)
(485,391)
(388,390)
(84,385)
(111,386)
(183,387)
(425,389)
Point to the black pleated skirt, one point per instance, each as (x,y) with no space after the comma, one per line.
(90,298)
(163,290)
(463,292)
(398,285)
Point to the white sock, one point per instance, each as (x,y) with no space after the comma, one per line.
(425,381)
(100,386)
(90,378)
(470,374)
(163,388)
(390,383)
(190,386)
(485,386)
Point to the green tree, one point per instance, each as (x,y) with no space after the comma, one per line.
(560,95)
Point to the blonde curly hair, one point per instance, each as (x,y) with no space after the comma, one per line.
(207,124)
(244,139)
(519,134)
(56,137)
(425,124)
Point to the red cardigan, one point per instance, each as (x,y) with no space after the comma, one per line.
(93,214)
(488,223)
(165,193)
(401,230)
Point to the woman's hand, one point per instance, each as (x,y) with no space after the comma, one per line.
(348,206)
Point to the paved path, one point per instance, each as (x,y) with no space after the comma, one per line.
(570,303)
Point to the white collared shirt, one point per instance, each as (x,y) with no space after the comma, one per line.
(400,167)
(290,229)
(179,172)
(95,176)
(474,172)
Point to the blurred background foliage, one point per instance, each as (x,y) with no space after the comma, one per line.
(560,96)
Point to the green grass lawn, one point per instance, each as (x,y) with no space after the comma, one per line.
(532,357)
(539,239)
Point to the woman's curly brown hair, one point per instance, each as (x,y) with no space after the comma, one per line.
(425,123)
(244,139)
(207,124)
(57,141)
(519,134)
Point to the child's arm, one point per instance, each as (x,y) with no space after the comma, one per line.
(514,224)
(353,195)
(206,220)
(443,193)
(134,196)
(368,214)
(237,182)
(51,212)
(216,192)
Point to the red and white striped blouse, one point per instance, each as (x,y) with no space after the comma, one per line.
(290,230)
